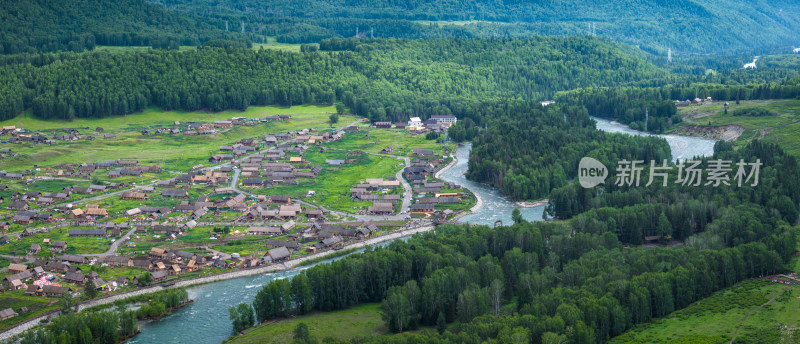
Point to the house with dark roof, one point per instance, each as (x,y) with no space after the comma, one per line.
(54,291)
(159,276)
(119,261)
(282,199)
(7,313)
(175,193)
(84,232)
(19,205)
(75,277)
(279,254)
(58,246)
(73,258)
(422,208)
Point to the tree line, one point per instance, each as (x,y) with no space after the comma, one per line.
(382,79)
(105,326)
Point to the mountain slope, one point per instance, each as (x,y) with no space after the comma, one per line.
(43,25)
(683,25)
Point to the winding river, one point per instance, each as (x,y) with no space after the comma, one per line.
(206,320)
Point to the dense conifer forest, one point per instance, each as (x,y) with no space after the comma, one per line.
(382,79)
(41,25)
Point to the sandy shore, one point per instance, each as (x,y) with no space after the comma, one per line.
(523,204)
(24,326)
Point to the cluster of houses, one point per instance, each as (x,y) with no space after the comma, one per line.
(44,278)
(6,175)
(190,129)
(283,211)
(436,123)
(374,190)
(20,135)
(695,101)
(7,153)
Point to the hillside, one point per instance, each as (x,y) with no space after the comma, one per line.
(683,25)
(75,25)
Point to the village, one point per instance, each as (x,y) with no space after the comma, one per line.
(117,225)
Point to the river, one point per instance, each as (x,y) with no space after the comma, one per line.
(206,320)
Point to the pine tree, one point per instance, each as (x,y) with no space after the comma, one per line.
(441,323)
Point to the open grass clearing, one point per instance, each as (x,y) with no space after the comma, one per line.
(359,321)
(780,129)
(173,152)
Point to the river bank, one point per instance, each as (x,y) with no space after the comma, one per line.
(478,199)
(288,265)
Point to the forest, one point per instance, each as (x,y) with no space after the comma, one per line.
(685,26)
(725,215)
(40,25)
(527,150)
(530,282)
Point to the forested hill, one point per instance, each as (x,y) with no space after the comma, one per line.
(75,25)
(683,25)
(382,79)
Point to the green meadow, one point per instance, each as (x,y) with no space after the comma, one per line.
(172,152)
(332,185)
(359,321)
(781,128)
(745,307)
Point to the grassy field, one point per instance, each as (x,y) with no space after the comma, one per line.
(76,245)
(757,308)
(375,140)
(362,320)
(715,319)
(154,117)
(273,44)
(174,152)
(16,300)
(332,185)
(781,129)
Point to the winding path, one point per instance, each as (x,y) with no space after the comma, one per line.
(733,337)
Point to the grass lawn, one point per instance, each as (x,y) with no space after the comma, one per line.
(174,152)
(332,185)
(155,117)
(358,321)
(374,140)
(272,43)
(76,245)
(781,129)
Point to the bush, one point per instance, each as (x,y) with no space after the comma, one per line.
(753,112)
